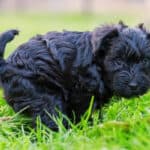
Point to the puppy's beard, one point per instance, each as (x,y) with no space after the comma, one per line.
(120,85)
(127,93)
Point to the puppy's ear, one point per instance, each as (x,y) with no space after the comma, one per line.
(122,24)
(143,28)
(102,36)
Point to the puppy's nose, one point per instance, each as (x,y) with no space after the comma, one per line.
(133,85)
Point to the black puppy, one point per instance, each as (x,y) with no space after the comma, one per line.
(62,70)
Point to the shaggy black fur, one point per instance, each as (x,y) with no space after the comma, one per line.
(62,70)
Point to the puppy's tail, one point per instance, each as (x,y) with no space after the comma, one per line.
(6,37)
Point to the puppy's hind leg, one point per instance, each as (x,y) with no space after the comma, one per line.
(24,96)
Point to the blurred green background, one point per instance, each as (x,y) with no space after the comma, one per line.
(30,24)
(33,17)
(126,123)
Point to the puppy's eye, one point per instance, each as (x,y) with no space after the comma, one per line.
(118,62)
(146,61)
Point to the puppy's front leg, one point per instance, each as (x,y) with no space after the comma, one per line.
(52,106)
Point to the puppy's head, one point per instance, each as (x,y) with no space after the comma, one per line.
(124,55)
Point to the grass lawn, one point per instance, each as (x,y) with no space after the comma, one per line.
(125,124)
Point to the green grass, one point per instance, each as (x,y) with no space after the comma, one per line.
(125,124)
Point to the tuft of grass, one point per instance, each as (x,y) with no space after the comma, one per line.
(125,124)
